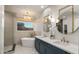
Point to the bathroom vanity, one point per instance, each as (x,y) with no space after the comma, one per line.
(44,45)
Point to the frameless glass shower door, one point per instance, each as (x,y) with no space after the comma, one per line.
(8,32)
(1,28)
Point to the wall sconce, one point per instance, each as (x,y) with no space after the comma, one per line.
(45,20)
(52,19)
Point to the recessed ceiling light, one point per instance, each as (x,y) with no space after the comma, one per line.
(42,6)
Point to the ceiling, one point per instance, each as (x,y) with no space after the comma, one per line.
(33,10)
(20,10)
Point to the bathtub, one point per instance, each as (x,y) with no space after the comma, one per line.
(27,42)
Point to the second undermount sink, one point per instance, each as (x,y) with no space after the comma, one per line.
(62,43)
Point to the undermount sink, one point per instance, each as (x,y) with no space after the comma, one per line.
(61,43)
(58,42)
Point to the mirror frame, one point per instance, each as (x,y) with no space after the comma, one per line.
(72,7)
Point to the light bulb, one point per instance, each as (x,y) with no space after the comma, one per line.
(52,19)
(57,21)
(45,20)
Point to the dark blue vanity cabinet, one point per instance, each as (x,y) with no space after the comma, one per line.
(37,44)
(46,48)
(42,48)
(55,50)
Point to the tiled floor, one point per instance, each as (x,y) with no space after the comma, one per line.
(7,48)
(21,50)
(24,50)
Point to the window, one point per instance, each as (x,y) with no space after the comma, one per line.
(24,25)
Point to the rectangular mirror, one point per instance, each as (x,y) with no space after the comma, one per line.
(68,19)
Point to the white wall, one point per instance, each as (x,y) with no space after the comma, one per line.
(1,28)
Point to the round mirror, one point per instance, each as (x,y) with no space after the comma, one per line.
(68,20)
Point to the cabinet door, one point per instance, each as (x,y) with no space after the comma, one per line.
(37,42)
(42,48)
(49,51)
(54,50)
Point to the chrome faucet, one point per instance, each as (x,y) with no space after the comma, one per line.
(52,36)
(64,40)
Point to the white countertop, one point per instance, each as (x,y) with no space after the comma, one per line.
(68,47)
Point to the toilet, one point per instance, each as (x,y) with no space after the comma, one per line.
(28,42)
